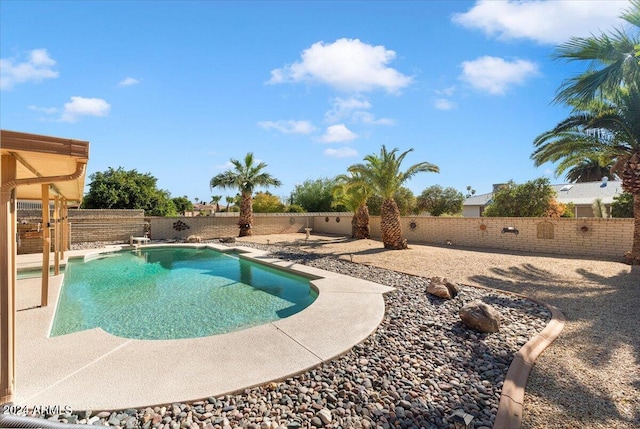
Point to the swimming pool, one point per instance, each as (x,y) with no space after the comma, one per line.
(175,292)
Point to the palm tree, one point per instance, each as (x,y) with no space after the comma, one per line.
(383,174)
(245,177)
(215,199)
(589,169)
(352,192)
(607,129)
(229,200)
(614,61)
(605,122)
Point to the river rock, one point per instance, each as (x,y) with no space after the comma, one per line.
(480,316)
(442,288)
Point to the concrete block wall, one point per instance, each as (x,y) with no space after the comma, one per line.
(30,238)
(597,237)
(333,223)
(86,225)
(90,225)
(210,227)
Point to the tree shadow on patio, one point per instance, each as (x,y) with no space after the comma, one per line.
(602,331)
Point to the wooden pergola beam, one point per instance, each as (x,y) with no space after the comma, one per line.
(7,280)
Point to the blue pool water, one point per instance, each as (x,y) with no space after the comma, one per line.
(175,292)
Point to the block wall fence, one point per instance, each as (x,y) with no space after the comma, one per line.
(208,227)
(594,237)
(86,225)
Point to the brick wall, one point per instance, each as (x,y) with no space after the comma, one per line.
(105,225)
(597,237)
(209,227)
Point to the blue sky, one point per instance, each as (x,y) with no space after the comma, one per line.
(177,88)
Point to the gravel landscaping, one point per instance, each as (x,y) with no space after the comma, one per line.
(419,367)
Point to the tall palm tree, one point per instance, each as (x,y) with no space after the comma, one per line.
(352,192)
(245,177)
(608,129)
(614,61)
(383,174)
(589,169)
(605,121)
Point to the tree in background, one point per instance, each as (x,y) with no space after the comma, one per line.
(403,197)
(215,202)
(531,199)
(228,200)
(121,189)
(352,192)
(245,177)
(599,209)
(590,169)
(605,121)
(382,172)
(315,195)
(265,202)
(622,205)
(183,204)
(558,209)
(470,192)
(437,200)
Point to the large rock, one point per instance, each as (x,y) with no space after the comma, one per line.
(442,288)
(480,316)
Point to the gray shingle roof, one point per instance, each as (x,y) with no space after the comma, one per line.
(577,193)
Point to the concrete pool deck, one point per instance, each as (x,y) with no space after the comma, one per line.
(98,371)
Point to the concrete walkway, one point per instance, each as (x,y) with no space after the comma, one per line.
(96,370)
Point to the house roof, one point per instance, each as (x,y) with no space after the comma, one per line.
(576,193)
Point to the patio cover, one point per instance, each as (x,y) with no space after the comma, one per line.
(32,167)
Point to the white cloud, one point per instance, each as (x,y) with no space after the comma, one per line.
(128,81)
(226,166)
(36,68)
(342,108)
(495,75)
(46,110)
(354,109)
(549,21)
(81,106)
(344,152)
(370,119)
(346,64)
(288,127)
(446,92)
(338,133)
(444,104)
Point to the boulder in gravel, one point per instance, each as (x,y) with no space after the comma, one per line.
(480,316)
(442,288)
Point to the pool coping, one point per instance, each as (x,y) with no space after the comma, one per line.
(98,371)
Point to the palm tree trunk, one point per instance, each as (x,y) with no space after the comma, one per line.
(354,225)
(390,226)
(246,215)
(362,223)
(633,257)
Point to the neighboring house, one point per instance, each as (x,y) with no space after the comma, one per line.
(204,209)
(581,194)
